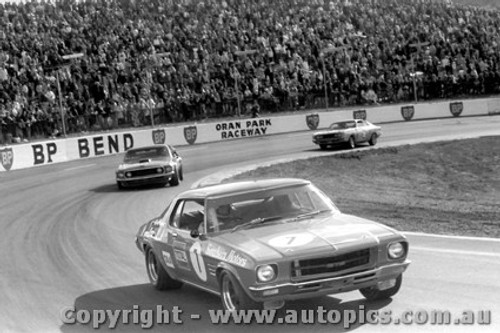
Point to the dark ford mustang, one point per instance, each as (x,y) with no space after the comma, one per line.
(160,164)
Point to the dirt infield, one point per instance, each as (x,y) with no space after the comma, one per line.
(444,188)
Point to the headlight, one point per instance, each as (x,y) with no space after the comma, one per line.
(168,168)
(159,170)
(396,250)
(128,175)
(119,174)
(265,273)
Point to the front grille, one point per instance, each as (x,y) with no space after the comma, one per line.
(330,265)
(332,136)
(143,172)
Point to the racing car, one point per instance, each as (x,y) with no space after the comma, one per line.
(259,243)
(349,132)
(158,164)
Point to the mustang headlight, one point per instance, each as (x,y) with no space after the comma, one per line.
(266,273)
(159,170)
(396,250)
(128,174)
(168,168)
(120,174)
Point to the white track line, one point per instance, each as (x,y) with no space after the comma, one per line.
(472,253)
(79,167)
(423,234)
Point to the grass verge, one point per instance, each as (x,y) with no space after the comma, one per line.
(448,188)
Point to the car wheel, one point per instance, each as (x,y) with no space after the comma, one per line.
(322,146)
(158,276)
(233,296)
(175,179)
(352,143)
(374,294)
(373,139)
(120,185)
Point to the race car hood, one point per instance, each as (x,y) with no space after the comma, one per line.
(143,163)
(308,237)
(329,132)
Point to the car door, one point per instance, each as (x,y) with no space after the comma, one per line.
(361,131)
(187,251)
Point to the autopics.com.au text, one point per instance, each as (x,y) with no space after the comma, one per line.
(147,318)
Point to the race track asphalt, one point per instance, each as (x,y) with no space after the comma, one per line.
(67,239)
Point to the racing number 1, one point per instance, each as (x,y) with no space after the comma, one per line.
(197,261)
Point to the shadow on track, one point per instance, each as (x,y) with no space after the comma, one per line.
(113,188)
(194,301)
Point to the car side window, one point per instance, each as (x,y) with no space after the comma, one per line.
(176,214)
(192,215)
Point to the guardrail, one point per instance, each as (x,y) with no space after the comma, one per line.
(29,155)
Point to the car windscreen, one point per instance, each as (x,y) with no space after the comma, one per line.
(281,204)
(343,125)
(146,153)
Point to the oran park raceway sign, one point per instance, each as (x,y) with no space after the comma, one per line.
(243,128)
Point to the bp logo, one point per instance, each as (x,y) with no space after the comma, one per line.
(359,114)
(7,158)
(190,134)
(408,112)
(158,136)
(456,108)
(312,121)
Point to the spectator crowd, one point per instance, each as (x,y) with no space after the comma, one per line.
(141,61)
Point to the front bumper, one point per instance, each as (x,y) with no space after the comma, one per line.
(330,141)
(151,179)
(326,286)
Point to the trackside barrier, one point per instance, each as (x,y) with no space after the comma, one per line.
(29,155)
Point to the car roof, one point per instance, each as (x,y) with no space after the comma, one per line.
(240,187)
(146,147)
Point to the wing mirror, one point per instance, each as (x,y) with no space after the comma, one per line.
(196,234)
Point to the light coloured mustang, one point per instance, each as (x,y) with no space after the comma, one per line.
(259,243)
(159,164)
(351,132)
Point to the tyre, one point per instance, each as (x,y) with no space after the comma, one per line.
(322,146)
(120,185)
(374,294)
(352,143)
(233,296)
(158,276)
(373,139)
(175,179)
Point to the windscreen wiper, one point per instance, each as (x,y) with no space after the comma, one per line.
(310,214)
(256,221)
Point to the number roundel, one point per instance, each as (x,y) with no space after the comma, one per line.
(197,261)
(292,240)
